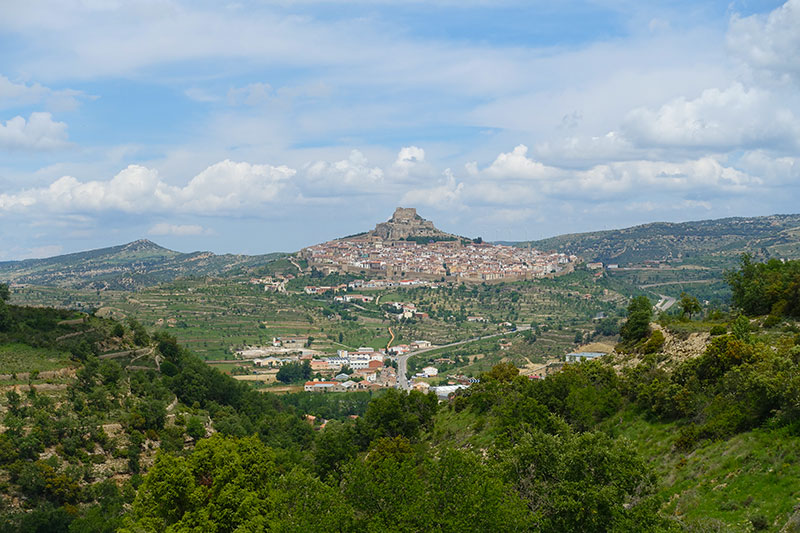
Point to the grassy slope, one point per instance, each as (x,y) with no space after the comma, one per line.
(18,357)
(751,474)
(724,482)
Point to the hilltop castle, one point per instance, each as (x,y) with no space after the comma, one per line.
(406,223)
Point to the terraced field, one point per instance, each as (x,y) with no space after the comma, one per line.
(215,317)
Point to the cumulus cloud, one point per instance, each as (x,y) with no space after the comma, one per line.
(774,170)
(629,178)
(447,194)
(578,151)
(225,187)
(408,157)
(229,185)
(38,132)
(769,43)
(178,230)
(353,172)
(727,119)
(516,164)
(704,177)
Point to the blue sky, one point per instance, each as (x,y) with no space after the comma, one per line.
(253,127)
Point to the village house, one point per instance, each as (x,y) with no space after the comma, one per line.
(421,386)
(430,371)
(319,386)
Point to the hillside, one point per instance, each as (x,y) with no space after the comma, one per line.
(690,426)
(710,242)
(130,266)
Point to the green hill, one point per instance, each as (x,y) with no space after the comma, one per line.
(691,425)
(712,242)
(130,266)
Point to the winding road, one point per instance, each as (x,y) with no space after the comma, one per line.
(402,360)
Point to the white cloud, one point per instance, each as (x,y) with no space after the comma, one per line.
(578,151)
(447,194)
(410,165)
(179,230)
(719,119)
(225,187)
(774,170)
(705,175)
(228,186)
(39,132)
(353,172)
(21,94)
(769,43)
(408,156)
(516,165)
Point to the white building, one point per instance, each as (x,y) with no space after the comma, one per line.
(430,371)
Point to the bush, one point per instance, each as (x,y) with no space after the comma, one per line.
(654,343)
(719,329)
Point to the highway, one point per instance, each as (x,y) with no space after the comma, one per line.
(402,360)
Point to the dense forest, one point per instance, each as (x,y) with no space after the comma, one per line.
(162,442)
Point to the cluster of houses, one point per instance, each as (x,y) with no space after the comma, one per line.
(347,298)
(276,284)
(346,385)
(408,310)
(434,260)
(372,284)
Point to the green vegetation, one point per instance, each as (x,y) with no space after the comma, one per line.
(126,267)
(554,453)
(294,372)
(115,425)
(772,287)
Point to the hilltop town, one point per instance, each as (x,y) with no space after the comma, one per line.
(409,246)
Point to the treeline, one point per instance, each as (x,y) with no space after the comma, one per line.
(58,451)
(766,288)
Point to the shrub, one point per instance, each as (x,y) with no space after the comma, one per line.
(654,343)
(719,329)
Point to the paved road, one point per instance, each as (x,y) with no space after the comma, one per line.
(665,303)
(402,360)
(651,285)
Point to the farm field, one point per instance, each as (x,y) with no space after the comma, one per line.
(216,317)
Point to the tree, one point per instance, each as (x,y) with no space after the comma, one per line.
(740,328)
(5,293)
(5,317)
(637,327)
(195,428)
(293,372)
(582,482)
(118,330)
(689,305)
(502,372)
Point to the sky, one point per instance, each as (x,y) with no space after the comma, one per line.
(261,126)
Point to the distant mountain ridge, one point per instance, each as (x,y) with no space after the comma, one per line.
(128,266)
(719,241)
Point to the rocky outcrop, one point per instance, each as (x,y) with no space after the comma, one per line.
(407,223)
